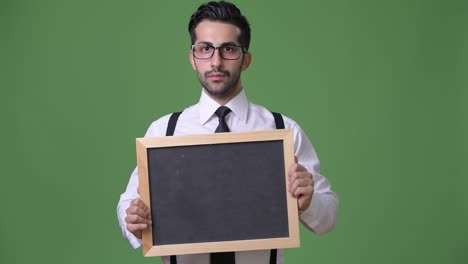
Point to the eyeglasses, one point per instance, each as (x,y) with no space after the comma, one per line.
(227,52)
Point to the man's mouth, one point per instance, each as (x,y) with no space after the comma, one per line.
(216,76)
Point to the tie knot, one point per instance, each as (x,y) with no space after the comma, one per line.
(222,111)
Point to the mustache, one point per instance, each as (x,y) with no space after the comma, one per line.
(225,73)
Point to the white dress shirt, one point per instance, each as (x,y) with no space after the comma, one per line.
(321,215)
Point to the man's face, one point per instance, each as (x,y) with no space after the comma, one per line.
(219,77)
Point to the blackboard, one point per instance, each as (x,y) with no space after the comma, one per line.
(218,192)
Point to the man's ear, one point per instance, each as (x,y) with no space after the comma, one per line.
(192,61)
(246,61)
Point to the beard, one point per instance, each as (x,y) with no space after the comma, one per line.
(221,89)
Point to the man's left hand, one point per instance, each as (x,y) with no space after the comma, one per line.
(301,185)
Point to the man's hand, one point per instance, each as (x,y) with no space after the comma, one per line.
(301,185)
(138,217)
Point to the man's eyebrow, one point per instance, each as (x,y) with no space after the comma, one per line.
(205,43)
(222,45)
(229,44)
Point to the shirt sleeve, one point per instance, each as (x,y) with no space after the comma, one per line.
(156,129)
(126,198)
(320,216)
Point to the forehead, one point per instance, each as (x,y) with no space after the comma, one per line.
(216,32)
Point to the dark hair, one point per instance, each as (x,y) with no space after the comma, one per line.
(221,11)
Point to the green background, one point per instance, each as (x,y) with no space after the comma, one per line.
(380,87)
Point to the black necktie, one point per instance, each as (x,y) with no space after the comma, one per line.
(222,112)
(222,257)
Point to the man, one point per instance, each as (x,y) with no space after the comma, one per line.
(220,38)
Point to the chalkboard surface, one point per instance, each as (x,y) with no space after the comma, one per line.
(218,192)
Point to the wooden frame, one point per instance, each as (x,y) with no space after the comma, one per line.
(284,135)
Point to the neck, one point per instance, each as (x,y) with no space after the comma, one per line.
(225,99)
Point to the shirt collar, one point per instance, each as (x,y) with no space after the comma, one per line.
(239,106)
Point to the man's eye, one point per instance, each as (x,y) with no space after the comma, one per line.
(206,49)
(228,49)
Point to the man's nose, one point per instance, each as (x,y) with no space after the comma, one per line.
(216,60)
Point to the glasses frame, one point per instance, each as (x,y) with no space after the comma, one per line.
(243,50)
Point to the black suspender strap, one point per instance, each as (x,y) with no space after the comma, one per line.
(273,256)
(278,120)
(173,259)
(279,125)
(170,132)
(172,123)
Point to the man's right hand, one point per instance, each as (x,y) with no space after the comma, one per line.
(138,217)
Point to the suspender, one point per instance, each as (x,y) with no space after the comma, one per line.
(272,256)
(278,120)
(170,132)
(172,123)
(279,125)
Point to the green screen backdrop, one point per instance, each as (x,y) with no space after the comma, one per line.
(380,87)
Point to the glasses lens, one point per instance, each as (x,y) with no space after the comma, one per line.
(230,52)
(203,51)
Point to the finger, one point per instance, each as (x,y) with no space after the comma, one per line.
(139,203)
(295,167)
(133,228)
(303,191)
(292,169)
(299,176)
(303,203)
(136,219)
(135,210)
(300,183)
